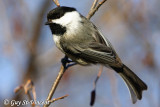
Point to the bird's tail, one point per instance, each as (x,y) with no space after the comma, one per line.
(134,83)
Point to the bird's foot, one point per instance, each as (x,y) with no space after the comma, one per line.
(66,62)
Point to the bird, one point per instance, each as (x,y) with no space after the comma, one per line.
(81,41)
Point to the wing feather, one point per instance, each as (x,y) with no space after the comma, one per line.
(93,53)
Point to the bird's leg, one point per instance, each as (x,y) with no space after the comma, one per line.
(65,62)
(69,65)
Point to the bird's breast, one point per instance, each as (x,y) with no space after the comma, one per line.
(56,39)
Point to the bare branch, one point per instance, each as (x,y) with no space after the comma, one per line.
(55,84)
(56,2)
(26,88)
(94,4)
(56,99)
(94,8)
(93,93)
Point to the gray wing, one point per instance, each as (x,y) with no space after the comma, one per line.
(99,53)
(94,52)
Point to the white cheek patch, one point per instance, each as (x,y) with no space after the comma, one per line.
(70,19)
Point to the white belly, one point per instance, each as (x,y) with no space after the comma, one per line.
(57,41)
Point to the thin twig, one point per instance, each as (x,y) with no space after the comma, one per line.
(55,84)
(56,99)
(27,87)
(56,2)
(94,8)
(94,4)
(93,93)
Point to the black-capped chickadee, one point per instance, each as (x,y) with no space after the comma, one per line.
(80,40)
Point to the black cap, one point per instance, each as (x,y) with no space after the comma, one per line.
(59,12)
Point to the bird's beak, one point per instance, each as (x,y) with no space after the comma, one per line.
(48,23)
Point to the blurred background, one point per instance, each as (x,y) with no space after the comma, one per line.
(27,51)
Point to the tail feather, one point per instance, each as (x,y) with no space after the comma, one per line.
(134,83)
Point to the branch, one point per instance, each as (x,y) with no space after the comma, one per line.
(56,99)
(93,93)
(94,4)
(63,68)
(27,87)
(94,8)
(56,2)
(55,84)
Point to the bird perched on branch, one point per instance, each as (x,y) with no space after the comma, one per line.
(80,40)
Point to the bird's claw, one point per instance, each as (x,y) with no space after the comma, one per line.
(65,62)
